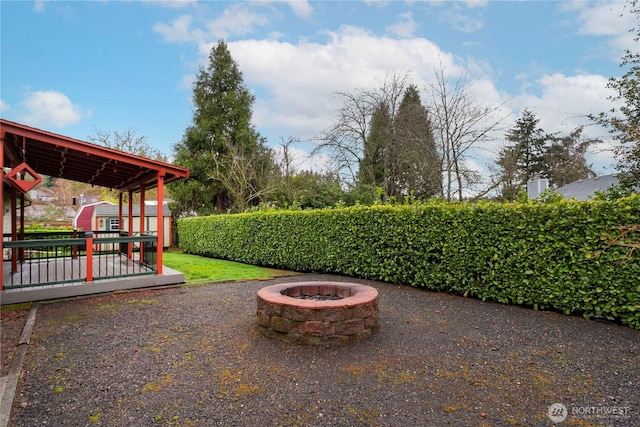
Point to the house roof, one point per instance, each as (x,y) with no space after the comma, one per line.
(113,210)
(79,214)
(43,193)
(59,156)
(583,189)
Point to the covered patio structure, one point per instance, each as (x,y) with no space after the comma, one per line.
(85,261)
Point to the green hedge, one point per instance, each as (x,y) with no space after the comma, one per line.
(549,256)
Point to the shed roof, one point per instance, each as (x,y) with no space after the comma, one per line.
(113,210)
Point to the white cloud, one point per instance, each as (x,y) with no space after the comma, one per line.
(38,6)
(572,6)
(179,30)
(187,81)
(464,23)
(172,4)
(563,104)
(295,83)
(275,35)
(459,20)
(4,106)
(378,3)
(298,82)
(611,19)
(566,100)
(602,19)
(405,26)
(301,8)
(300,160)
(50,108)
(476,3)
(235,20)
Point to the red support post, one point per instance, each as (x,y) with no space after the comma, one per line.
(160,222)
(14,229)
(130,225)
(21,225)
(142,218)
(120,225)
(2,133)
(89,245)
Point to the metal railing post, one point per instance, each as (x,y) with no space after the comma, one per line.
(74,248)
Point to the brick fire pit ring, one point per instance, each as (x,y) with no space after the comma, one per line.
(318,312)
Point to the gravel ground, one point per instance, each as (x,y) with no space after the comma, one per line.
(11,325)
(193,356)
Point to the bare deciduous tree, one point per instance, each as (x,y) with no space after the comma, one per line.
(461,123)
(247,177)
(128,141)
(345,141)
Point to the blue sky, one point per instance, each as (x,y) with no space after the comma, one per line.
(74,66)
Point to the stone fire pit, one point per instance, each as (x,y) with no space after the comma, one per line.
(318,312)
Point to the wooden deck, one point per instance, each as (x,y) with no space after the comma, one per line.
(65,277)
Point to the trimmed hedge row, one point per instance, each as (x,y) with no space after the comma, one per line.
(550,256)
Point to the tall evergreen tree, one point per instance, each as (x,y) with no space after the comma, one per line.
(414,157)
(509,179)
(524,158)
(372,169)
(565,159)
(561,159)
(221,119)
(529,142)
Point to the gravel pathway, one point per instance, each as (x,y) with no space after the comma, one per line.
(192,356)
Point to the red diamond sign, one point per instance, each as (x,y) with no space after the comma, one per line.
(28,181)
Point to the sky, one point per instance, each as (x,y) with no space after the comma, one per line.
(77,67)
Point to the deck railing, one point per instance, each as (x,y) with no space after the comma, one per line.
(35,262)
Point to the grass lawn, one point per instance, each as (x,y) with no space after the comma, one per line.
(201,269)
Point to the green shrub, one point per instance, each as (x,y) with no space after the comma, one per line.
(560,255)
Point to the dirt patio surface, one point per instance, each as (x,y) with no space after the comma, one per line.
(193,356)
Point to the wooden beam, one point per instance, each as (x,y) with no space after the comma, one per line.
(63,160)
(9,150)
